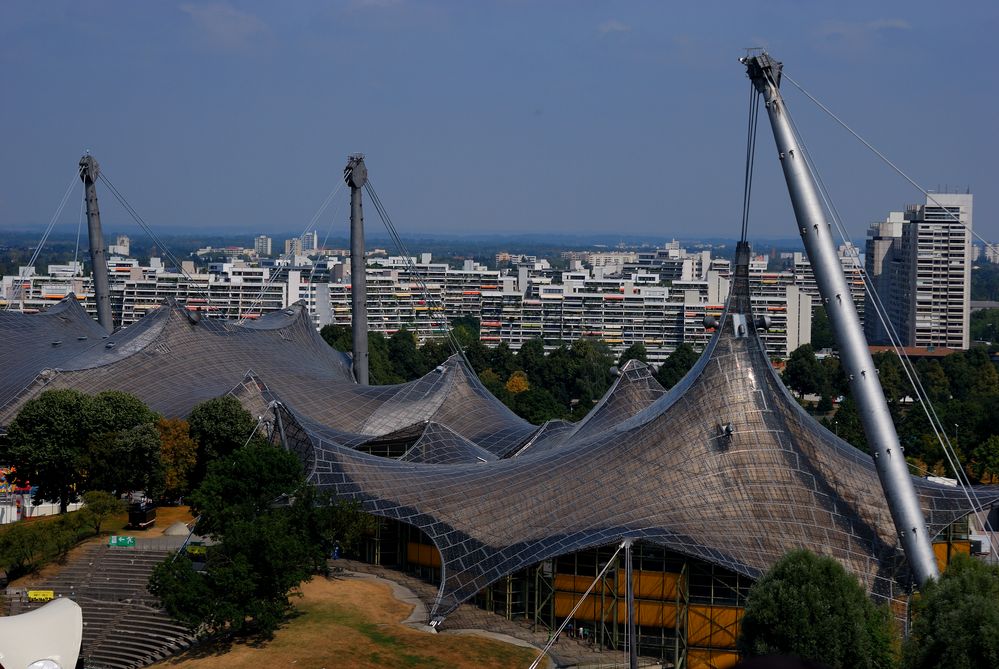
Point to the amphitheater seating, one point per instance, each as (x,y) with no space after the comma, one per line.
(123,625)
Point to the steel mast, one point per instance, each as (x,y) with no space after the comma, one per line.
(813,226)
(89,171)
(356,175)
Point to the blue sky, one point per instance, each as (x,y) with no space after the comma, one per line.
(487,116)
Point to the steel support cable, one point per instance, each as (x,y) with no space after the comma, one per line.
(26,271)
(404,252)
(949,453)
(329,231)
(884,158)
(152,235)
(554,636)
(425,289)
(936,425)
(754,110)
(291,254)
(79,226)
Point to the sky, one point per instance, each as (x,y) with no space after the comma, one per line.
(487,116)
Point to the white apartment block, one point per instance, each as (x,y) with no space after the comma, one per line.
(920,264)
(263,245)
(227,290)
(424,296)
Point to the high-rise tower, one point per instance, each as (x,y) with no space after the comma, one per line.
(920,265)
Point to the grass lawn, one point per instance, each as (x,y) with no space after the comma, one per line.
(355,623)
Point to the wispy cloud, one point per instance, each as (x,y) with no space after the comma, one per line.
(225,27)
(613,26)
(861,33)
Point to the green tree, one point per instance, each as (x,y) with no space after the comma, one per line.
(126,460)
(113,411)
(502,359)
(434,352)
(804,374)
(810,607)
(590,370)
(636,351)
(99,506)
(822,334)
(955,620)
(676,366)
(47,444)
(985,325)
(407,363)
(272,532)
(242,485)
(219,426)
(531,358)
(985,282)
(381,371)
(494,384)
(847,426)
(537,405)
(934,380)
(985,460)
(478,356)
(465,329)
(339,337)
(893,378)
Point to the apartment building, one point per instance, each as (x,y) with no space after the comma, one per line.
(920,265)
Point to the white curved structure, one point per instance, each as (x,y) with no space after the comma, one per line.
(53,632)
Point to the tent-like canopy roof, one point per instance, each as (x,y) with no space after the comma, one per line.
(725,467)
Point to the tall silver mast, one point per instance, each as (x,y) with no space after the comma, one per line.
(356,175)
(856,358)
(89,171)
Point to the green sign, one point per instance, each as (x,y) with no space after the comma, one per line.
(121,541)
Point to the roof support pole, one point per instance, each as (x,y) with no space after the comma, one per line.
(356,175)
(629,585)
(889,459)
(89,171)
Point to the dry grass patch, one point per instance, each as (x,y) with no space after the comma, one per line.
(355,623)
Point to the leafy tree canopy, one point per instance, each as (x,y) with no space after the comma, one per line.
(113,410)
(126,460)
(244,484)
(273,531)
(99,506)
(676,366)
(61,441)
(822,334)
(339,337)
(810,607)
(219,426)
(955,620)
(804,373)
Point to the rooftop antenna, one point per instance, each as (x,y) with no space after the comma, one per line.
(89,171)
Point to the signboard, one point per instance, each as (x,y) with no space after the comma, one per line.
(41,595)
(124,542)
